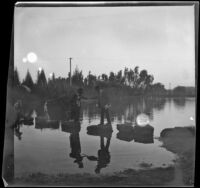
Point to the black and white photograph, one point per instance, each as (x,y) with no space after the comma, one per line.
(102,95)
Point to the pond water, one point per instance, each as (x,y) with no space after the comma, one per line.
(52,150)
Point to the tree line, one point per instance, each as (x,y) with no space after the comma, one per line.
(132,80)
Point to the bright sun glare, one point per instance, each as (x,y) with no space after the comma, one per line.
(24,60)
(31,57)
(142,119)
(40,69)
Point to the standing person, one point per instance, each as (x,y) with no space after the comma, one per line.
(46,111)
(76,105)
(103,104)
(18,110)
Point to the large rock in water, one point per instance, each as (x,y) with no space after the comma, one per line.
(165,132)
(128,137)
(126,128)
(143,134)
(100,130)
(27,121)
(180,131)
(41,123)
(70,127)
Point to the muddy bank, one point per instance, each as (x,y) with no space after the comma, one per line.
(181,141)
(129,177)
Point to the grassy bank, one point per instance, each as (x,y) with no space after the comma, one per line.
(129,177)
(181,141)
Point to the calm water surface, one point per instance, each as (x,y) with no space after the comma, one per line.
(49,150)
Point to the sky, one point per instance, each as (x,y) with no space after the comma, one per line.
(105,39)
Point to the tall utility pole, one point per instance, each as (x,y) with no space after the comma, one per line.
(70,66)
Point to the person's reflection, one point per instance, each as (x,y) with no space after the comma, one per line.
(18,133)
(76,147)
(103,154)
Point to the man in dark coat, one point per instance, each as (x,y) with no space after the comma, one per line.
(76,105)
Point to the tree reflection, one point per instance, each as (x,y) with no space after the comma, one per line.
(128,108)
(179,102)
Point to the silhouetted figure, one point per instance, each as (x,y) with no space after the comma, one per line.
(18,134)
(76,148)
(103,154)
(46,114)
(19,111)
(76,105)
(103,104)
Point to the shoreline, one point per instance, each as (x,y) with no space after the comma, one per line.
(181,174)
(181,141)
(155,177)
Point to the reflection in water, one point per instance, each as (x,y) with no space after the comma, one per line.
(157,103)
(99,130)
(22,120)
(125,136)
(90,110)
(122,109)
(139,134)
(56,110)
(17,131)
(76,145)
(43,123)
(70,126)
(74,128)
(104,132)
(28,121)
(128,109)
(125,110)
(179,102)
(103,154)
(124,155)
